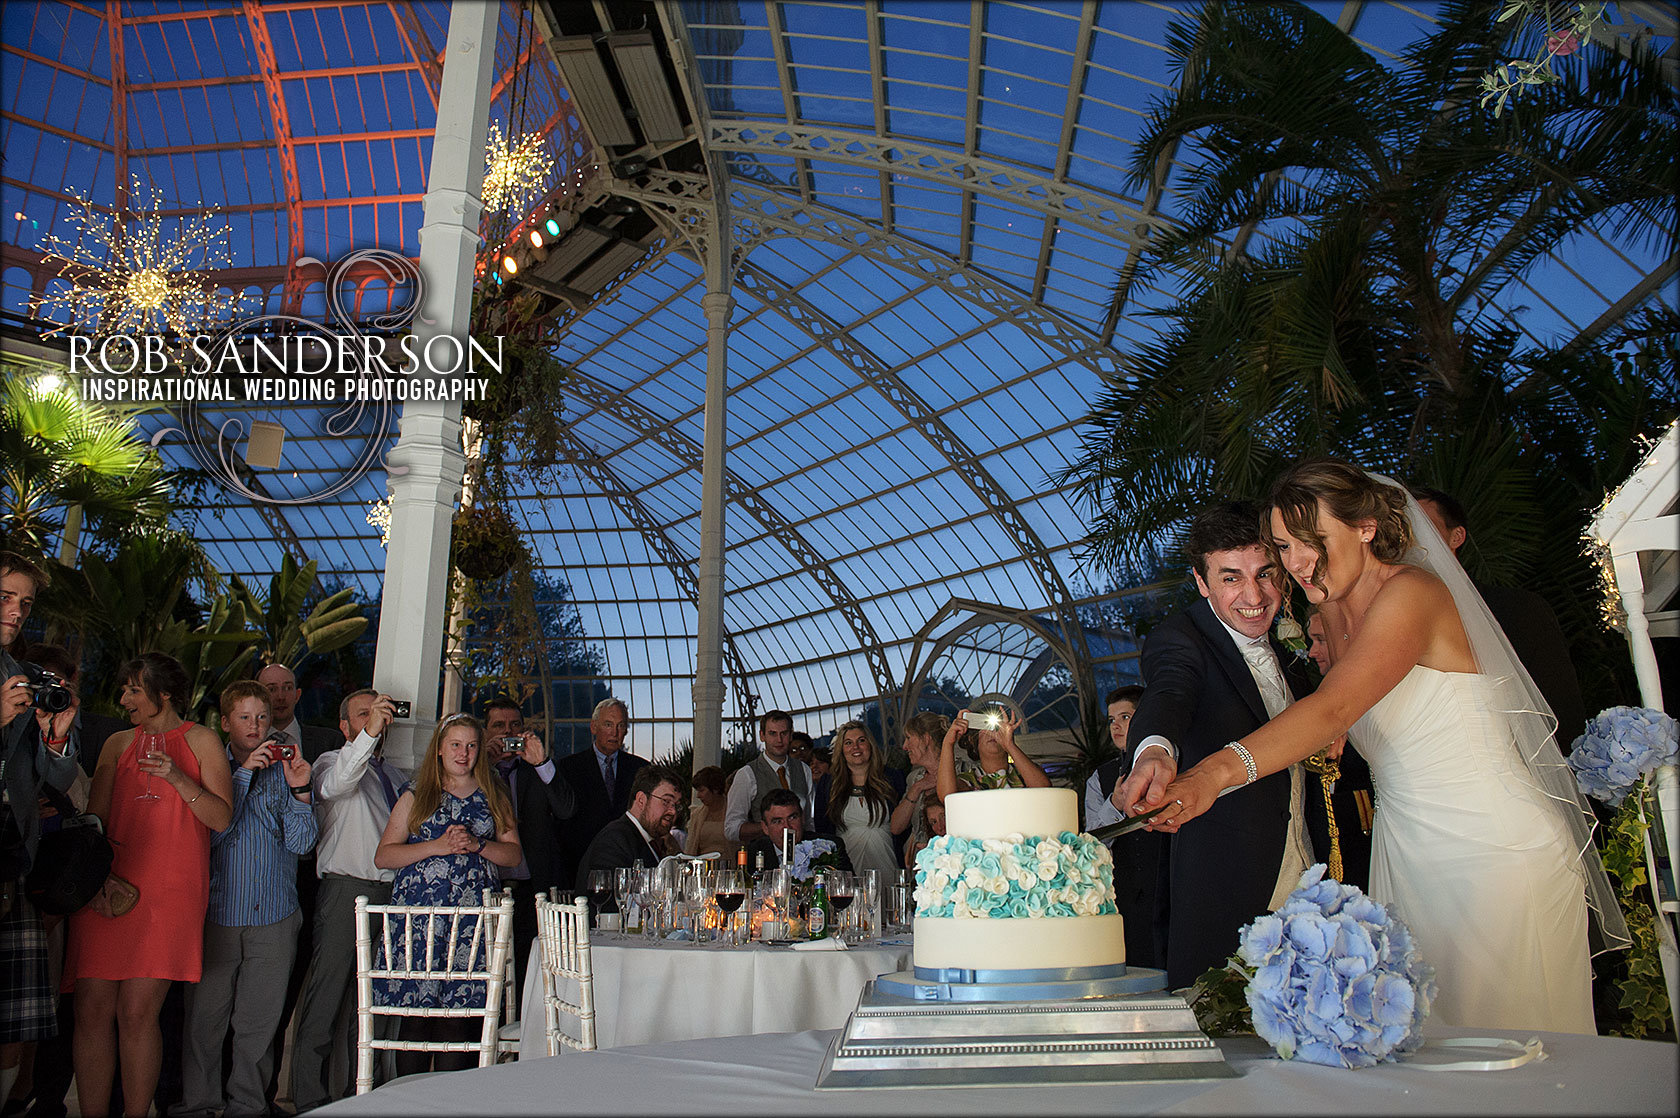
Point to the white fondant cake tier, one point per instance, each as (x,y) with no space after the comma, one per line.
(981,941)
(1026,944)
(1040,812)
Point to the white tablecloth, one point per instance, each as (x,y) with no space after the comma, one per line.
(648,991)
(759,1075)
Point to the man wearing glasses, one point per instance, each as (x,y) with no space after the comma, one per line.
(635,838)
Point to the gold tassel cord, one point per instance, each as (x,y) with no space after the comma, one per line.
(1329,771)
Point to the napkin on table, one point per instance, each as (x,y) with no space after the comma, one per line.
(829,944)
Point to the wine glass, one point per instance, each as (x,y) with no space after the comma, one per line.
(841,889)
(697,890)
(730,892)
(148,744)
(600,892)
(627,883)
(867,910)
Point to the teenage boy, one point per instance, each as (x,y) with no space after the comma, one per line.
(250,933)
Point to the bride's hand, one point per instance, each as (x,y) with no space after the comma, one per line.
(1187,797)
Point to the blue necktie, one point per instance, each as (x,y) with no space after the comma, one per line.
(385,782)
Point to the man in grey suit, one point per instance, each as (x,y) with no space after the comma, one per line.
(635,838)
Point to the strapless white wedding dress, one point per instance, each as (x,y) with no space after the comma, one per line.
(1474,859)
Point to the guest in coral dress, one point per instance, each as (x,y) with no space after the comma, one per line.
(161,788)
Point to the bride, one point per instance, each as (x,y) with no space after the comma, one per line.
(1481,843)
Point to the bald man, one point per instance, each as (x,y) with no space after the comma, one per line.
(282,697)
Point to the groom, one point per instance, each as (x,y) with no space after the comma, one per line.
(1213,673)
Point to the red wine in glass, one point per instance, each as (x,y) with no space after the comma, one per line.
(729,902)
(840,901)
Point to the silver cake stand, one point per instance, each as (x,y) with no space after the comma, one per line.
(1019,1028)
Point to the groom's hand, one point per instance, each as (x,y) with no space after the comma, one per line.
(1146,786)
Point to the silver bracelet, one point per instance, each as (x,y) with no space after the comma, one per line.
(1250,772)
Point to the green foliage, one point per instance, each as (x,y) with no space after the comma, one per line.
(1219,999)
(215,654)
(57,453)
(1346,227)
(141,598)
(1560,38)
(1093,745)
(1642,1009)
(289,633)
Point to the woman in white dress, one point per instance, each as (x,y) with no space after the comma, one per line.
(857,798)
(1481,843)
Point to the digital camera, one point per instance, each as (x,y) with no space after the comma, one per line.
(50,692)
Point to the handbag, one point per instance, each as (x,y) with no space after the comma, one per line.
(73,865)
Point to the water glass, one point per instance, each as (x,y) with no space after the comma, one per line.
(868,905)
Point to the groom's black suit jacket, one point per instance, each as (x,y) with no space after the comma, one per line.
(1223,866)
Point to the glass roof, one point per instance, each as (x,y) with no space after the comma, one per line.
(935,201)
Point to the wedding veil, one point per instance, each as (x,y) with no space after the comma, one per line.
(1533,726)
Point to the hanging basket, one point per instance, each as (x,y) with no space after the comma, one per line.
(486,542)
(505,394)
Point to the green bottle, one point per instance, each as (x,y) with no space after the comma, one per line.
(822,911)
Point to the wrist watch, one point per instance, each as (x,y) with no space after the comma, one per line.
(482,843)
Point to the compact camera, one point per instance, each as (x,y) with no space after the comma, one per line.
(286,751)
(992,719)
(49,690)
(513,745)
(401,708)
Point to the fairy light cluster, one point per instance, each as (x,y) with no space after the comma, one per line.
(1612,611)
(379,515)
(514,174)
(137,273)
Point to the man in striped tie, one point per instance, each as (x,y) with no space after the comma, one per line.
(250,932)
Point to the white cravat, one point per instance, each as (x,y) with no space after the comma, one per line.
(1263,666)
(1274,693)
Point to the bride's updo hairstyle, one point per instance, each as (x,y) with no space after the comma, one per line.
(1350,494)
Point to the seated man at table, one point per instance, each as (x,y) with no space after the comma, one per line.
(782,817)
(634,838)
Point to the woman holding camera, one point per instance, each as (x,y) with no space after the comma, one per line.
(998,761)
(161,789)
(450,833)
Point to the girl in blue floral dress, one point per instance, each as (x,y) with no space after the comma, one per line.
(450,833)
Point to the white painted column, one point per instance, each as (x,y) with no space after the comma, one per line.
(426,464)
(708,656)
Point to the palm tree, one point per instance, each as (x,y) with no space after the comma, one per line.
(61,455)
(1349,230)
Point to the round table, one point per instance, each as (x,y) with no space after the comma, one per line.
(738,1076)
(652,991)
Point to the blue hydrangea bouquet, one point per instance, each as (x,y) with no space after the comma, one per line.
(1617,760)
(1330,978)
(810,856)
(1621,746)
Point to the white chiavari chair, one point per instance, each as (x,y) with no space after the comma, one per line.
(563,930)
(425,943)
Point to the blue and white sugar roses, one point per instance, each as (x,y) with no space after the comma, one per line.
(1015,876)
